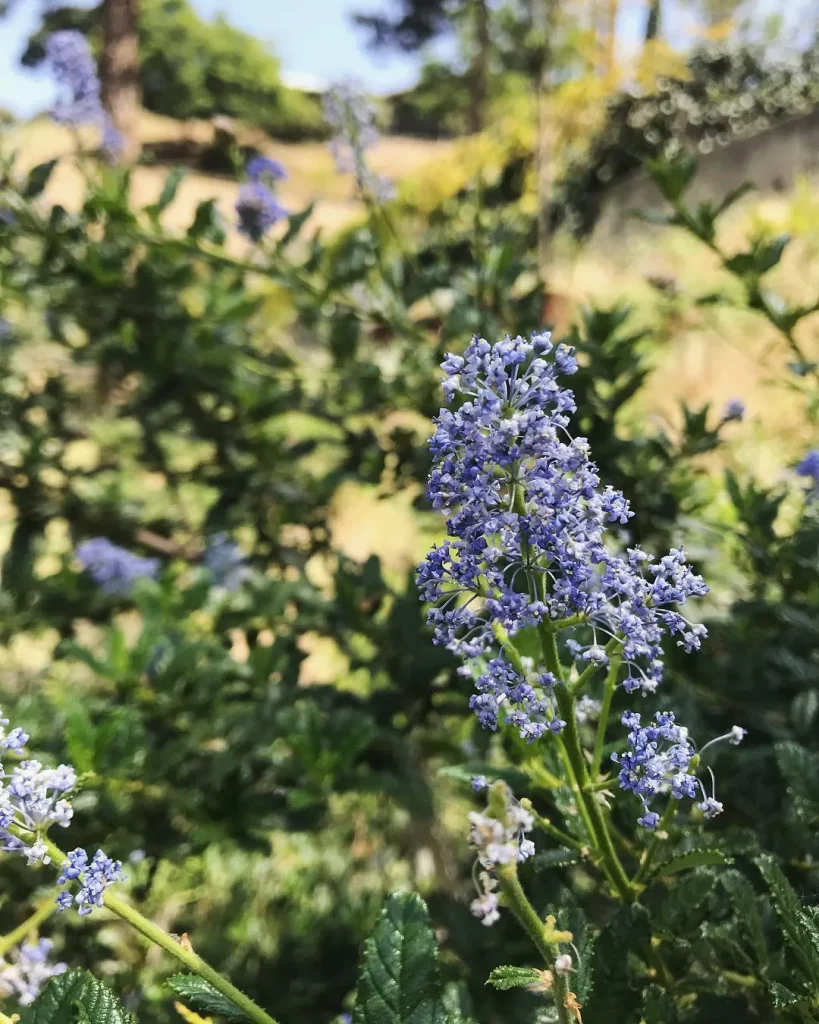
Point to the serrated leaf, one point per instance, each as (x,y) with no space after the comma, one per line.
(744,901)
(782,997)
(398,974)
(685,901)
(203,997)
(800,768)
(695,859)
(616,995)
(59,1001)
(513,977)
(658,1006)
(791,919)
(38,179)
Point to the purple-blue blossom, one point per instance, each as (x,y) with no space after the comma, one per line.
(350,114)
(809,468)
(24,971)
(74,68)
(527,518)
(258,210)
(656,762)
(90,879)
(734,410)
(32,799)
(260,168)
(225,561)
(113,568)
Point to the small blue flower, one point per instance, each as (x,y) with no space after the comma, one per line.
(69,58)
(352,117)
(24,972)
(479,783)
(94,878)
(734,410)
(809,468)
(225,561)
(261,167)
(115,569)
(258,210)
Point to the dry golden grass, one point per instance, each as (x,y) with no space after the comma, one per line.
(705,355)
(312,175)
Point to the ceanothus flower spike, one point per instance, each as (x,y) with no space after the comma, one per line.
(527,518)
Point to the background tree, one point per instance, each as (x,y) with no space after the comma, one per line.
(410,25)
(162,53)
(119,70)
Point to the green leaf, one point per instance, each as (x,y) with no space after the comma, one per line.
(466,772)
(782,997)
(658,1006)
(295,222)
(201,996)
(695,859)
(683,906)
(733,196)
(38,179)
(801,938)
(398,974)
(207,223)
(744,901)
(616,994)
(59,1001)
(800,768)
(513,977)
(168,193)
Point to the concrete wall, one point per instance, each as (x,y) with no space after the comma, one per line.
(771,160)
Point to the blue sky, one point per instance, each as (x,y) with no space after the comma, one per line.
(314,37)
(311,37)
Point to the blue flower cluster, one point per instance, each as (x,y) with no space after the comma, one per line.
(497,843)
(32,798)
(114,568)
(258,210)
(93,877)
(809,468)
(257,207)
(225,561)
(352,118)
(526,521)
(658,763)
(25,971)
(262,168)
(72,65)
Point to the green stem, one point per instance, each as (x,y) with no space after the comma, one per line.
(579,773)
(608,695)
(31,923)
(659,837)
(553,830)
(587,673)
(191,960)
(526,914)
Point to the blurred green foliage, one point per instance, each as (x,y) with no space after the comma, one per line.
(157,390)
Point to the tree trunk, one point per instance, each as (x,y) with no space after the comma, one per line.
(119,71)
(479,72)
(653,20)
